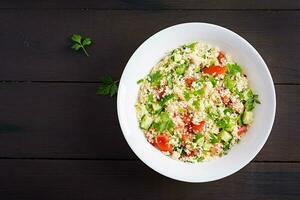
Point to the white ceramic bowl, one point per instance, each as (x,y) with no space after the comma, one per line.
(155,48)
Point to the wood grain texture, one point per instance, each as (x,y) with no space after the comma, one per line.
(44,179)
(68,120)
(153,4)
(35,44)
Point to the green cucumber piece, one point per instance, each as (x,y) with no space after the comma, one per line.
(156,107)
(206,146)
(247,117)
(180,69)
(146,122)
(230,126)
(225,136)
(199,139)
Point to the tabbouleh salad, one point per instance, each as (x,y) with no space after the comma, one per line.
(195,104)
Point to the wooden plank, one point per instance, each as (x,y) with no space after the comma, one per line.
(150,4)
(36,46)
(65,179)
(60,120)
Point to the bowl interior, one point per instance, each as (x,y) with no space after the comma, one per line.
(155,48)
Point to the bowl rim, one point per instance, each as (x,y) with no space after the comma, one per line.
(272,115)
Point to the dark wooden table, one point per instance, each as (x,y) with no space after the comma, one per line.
(59,140)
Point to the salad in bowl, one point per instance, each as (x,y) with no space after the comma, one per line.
(195,104)
(204,104)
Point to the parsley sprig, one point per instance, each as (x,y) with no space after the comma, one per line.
(108,86)
(80,43)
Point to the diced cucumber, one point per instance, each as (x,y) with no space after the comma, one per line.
(180,69)
(230,127)
(146,122)
(199,139)
(156,107)
(177,57)
(247,117)
(225,136)
(197,69)
(206,146)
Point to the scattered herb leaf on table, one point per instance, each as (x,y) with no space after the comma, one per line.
(80,43)
(108,86)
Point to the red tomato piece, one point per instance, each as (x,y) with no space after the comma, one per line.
(214,70)
(242,130)
(220,57)
(225,100)
(185,138)
(192,153)
(198,127)
(161,92)
(189,81)
(162,143)
(187,119)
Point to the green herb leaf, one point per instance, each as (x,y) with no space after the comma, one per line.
(191,46)
(166,99)
(255,98)
(240,120)
(223,123)
(212,80)
(80,43)
(228,110)
(233,69)
(226,146)
(76,38)
(187,95)
(140,81)
(228,83)
(170,82)
(198,137)
(76,46)
(150,98)
(155,78)
(199,92)
(196,104)
(108,86)
(113,89)
(87,41)
(251,100)
(212,114)
(164,123)
(249,105)
(213,138)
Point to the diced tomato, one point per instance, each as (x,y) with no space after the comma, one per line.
(161,92)
(220,57)
(162,143)
(185,138)
(187,119)
(189,81)
(225,100)
(214,70)
(242,130)
(192,153)
(198,127)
